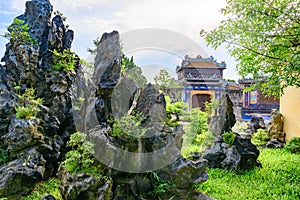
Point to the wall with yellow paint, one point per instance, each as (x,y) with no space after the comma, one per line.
(290,109)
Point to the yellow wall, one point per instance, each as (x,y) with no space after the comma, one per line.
(290,109)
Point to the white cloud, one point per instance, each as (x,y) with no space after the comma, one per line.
(18,5)
(90,18)
(2,12)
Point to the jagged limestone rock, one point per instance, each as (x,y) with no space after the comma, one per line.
(19,176)
(38,142)
(152,104)
(224,120)
(123,96)
(107,73)
(85,186)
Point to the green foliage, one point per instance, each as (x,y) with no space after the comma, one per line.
(293,145)
(80,158)
(95,43)
(160,185)
(4,155)
(27,106)
(228,137)
(176,110)
(57,12)
(196,137)
(17,88)
(42,189)
(27,112)
(211,106)
(26,161)
(264,39)
(128,67)
(260,137)
(132,71)
(77,103)
(129,126)
(18,33)
(63,18)
(65,60)
(230,80)
(164,81)
(277,179)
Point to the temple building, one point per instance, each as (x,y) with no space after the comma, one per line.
(202,80)
(255,103)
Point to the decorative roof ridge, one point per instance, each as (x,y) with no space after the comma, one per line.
(199,58)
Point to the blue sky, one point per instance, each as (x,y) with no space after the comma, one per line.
(181,19)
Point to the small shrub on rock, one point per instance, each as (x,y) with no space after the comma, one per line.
(174,111)
(65,60)
(228,137)
(129,126)
(260,137)
(18,32)
(27,106)
(80,157)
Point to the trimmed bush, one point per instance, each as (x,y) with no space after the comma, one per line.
(260,137)
(293,145)
(228,137)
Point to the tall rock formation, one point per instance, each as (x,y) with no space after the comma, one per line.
(242,154)
(35,145)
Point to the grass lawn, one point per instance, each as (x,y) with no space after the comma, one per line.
(279,178)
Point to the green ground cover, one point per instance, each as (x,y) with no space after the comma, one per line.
(279,178)
(44,188)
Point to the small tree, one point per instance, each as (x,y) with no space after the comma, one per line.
(164,81)
(263,36)
(132,71)
(80,158)
(260,137)
(95,43)
(28,105)
(176,109)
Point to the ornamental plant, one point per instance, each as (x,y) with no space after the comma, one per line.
(174,111)
(80,158)
(260,137)
(64,60)
(27,106)
(228,137)
(18,32)
(129,126)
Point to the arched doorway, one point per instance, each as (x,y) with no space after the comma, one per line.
(198,100)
